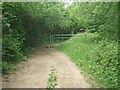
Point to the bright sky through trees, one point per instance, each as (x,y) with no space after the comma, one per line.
(68,2)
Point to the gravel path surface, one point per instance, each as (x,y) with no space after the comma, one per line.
(35,72)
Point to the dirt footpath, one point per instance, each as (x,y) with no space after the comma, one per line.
(35,72)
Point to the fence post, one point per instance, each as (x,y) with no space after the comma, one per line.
(62,37)
(50,41)
(85,37)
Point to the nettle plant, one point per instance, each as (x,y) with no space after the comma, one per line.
(52,81)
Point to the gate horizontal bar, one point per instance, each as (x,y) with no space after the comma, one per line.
(62,37)
(55,35)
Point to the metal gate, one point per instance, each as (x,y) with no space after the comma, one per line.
(60,37)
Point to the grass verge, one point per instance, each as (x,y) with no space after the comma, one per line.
(95,55)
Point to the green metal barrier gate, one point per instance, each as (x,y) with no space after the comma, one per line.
(61,37)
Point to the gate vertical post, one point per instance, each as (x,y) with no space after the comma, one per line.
(62,37)
(50,40)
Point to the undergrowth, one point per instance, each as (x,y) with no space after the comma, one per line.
(95,55)
(52,81)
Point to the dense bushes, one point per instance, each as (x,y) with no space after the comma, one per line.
(107,61)
(97,56)
(13,35)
